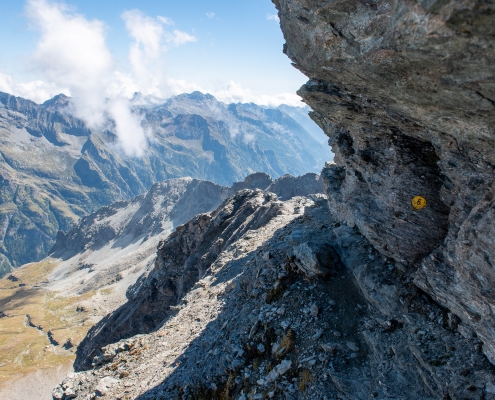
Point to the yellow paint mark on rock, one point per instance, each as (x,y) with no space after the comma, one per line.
(418,202)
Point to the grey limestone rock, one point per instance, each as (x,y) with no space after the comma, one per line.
(405,92)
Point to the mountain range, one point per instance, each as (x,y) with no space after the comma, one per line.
(55,169)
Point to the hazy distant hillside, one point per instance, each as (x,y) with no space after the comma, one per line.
(54,169)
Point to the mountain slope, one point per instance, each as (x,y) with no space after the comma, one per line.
(53,169)
(110,248)
(264,298)
(47,307)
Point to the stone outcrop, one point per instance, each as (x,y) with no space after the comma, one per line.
(405,90)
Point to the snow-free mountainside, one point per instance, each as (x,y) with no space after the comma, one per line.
(54,169)
(47,307)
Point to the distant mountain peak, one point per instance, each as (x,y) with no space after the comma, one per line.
(200,96)
(57,102)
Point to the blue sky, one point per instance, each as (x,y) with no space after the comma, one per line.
(231,48)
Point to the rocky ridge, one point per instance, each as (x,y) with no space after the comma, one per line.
(110,248)
(47,308)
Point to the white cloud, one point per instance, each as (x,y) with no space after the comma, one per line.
(147,33)
(132,137)
(6,83)
(178,86)
(178,38)
(145,50)
(235,93)
(72,53)
(165,20)
(272,17)
(210,14)
(37,91)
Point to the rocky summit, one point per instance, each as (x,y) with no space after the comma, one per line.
(383,288)
(54,169)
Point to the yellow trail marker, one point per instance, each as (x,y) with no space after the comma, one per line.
(418,202)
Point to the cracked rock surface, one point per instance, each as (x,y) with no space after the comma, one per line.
(405,91)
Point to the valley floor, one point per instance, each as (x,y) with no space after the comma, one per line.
(36,385)
(39,331)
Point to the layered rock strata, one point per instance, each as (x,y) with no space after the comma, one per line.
(405,90)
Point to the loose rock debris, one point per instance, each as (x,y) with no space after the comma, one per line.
(263,323)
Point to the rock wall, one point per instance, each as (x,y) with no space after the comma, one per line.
(405,90)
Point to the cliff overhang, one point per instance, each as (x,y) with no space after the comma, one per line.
(405,91)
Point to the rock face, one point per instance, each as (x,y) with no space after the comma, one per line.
(405,91)
(54,169)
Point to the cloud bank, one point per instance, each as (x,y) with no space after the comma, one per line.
(235,93)
(72,53)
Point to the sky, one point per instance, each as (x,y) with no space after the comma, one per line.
(232,49)
(101,52)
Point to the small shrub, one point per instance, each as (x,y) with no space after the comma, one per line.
(305,379)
